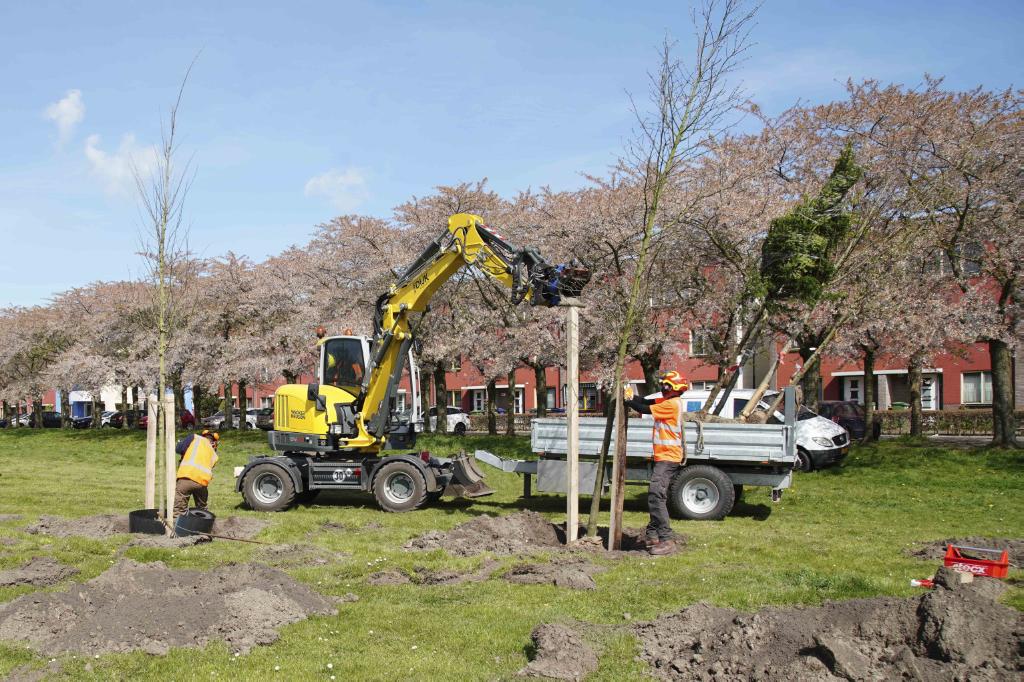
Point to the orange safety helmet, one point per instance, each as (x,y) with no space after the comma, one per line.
(215,437)
(674,381)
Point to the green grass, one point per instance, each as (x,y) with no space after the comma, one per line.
(837,534)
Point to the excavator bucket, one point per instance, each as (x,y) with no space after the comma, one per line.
(467,479)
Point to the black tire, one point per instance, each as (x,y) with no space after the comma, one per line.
(434,497)
(399,487)
(268,487)
(306,496)
(460,429)
(701,493)
(737,493)
(803,461)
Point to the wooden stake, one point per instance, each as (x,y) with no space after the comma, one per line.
(153,411)
(572,522)
(169,458)
(618,472)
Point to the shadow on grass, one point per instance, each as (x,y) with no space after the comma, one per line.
(757,512)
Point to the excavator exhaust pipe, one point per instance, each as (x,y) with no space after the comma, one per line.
(467,479)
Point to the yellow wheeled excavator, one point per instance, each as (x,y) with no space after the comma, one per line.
(344,433)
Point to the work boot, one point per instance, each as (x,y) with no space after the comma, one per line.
(661,548)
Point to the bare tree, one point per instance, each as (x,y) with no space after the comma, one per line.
(689,105)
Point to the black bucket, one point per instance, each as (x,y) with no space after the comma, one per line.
(194,522)
(145,521)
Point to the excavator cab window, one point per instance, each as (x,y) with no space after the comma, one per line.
(343,363)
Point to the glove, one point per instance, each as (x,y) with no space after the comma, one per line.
(627,392)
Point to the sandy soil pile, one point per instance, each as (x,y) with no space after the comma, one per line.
(520,533)
(560,654)
(153,608)
(957,631)
(39,571)
(574,574)
(937,549)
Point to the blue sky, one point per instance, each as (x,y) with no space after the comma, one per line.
(300,111)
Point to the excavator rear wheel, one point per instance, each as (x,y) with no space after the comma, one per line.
(267,487)
(399,487)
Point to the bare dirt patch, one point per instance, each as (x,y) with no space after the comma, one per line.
(427,577)
(4,518)
(522,532)
(574,574)
(242,527)
(164,542)
(8,541)
(388,578)
(937,549)
(296,556)
(953,632)
(152,608)
(39,571)
(559,653)
(97,526)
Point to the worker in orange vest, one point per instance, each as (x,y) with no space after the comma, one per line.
(669,454)
(195,470)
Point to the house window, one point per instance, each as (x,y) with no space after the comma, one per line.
(400,403)
(479,399)
(454,398)
(550,399)
(588,397)
(456,365)
(976,388)
(702,385)
(854,393)
(699,343)
(267,401)
(519,401)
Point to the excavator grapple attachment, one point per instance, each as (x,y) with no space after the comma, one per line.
(467,479)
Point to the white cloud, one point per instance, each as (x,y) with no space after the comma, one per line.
(66,113)
(116,169)
(344,189)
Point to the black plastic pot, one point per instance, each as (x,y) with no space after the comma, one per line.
(194,522)
(145,521)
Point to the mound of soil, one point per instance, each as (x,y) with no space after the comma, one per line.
(151,607)
(575,575)
(520,533)
(937,549)
(243,527)
(294,556)
(39,571)
(956,631)
(97,527)
(388,578)
(426,576)
(560,654)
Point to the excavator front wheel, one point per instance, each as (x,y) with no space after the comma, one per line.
(266,487)
(399,487)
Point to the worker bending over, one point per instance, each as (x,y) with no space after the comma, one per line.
(195,470)
(669,454)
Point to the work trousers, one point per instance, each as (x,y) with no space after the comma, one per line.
(657,500)
(185,488)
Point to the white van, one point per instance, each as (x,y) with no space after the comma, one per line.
(819,441)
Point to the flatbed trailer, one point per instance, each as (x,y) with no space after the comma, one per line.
(722,458)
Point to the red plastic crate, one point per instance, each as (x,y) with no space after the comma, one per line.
(956,560)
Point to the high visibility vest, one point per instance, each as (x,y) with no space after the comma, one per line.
(198,461)
(668,437)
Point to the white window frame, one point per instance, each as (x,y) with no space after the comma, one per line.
(401,400)
(983,374)
(267,401)
(551,398)
(479,399)
(454,399)
(520,398)
(694,336)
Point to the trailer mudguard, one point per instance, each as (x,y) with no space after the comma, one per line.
(286,463)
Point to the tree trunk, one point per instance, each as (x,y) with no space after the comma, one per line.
(492,416)
(1004,427)
(510,416)
(810,383)
(65,409)
(135,397)
(441,391)
(124,407)
(243,405)
(540,380)
(226,408)
(289,377)
(179,396)
(6,413)
(197,402)
(914,377)
(602,458)
(37,409)
(97,413)
(869,394)
(650,362)
(427,399)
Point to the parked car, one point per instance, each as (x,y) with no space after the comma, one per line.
(118,419)
(214,421)
(4,423)
(81,422)
(50,420)
(850,415)
(265,418)
(250,418)
(105,417)
(185,421)
(458,420)
(819,441)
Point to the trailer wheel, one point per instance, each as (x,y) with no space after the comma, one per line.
(701,493)
(267,487)
(399,487)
